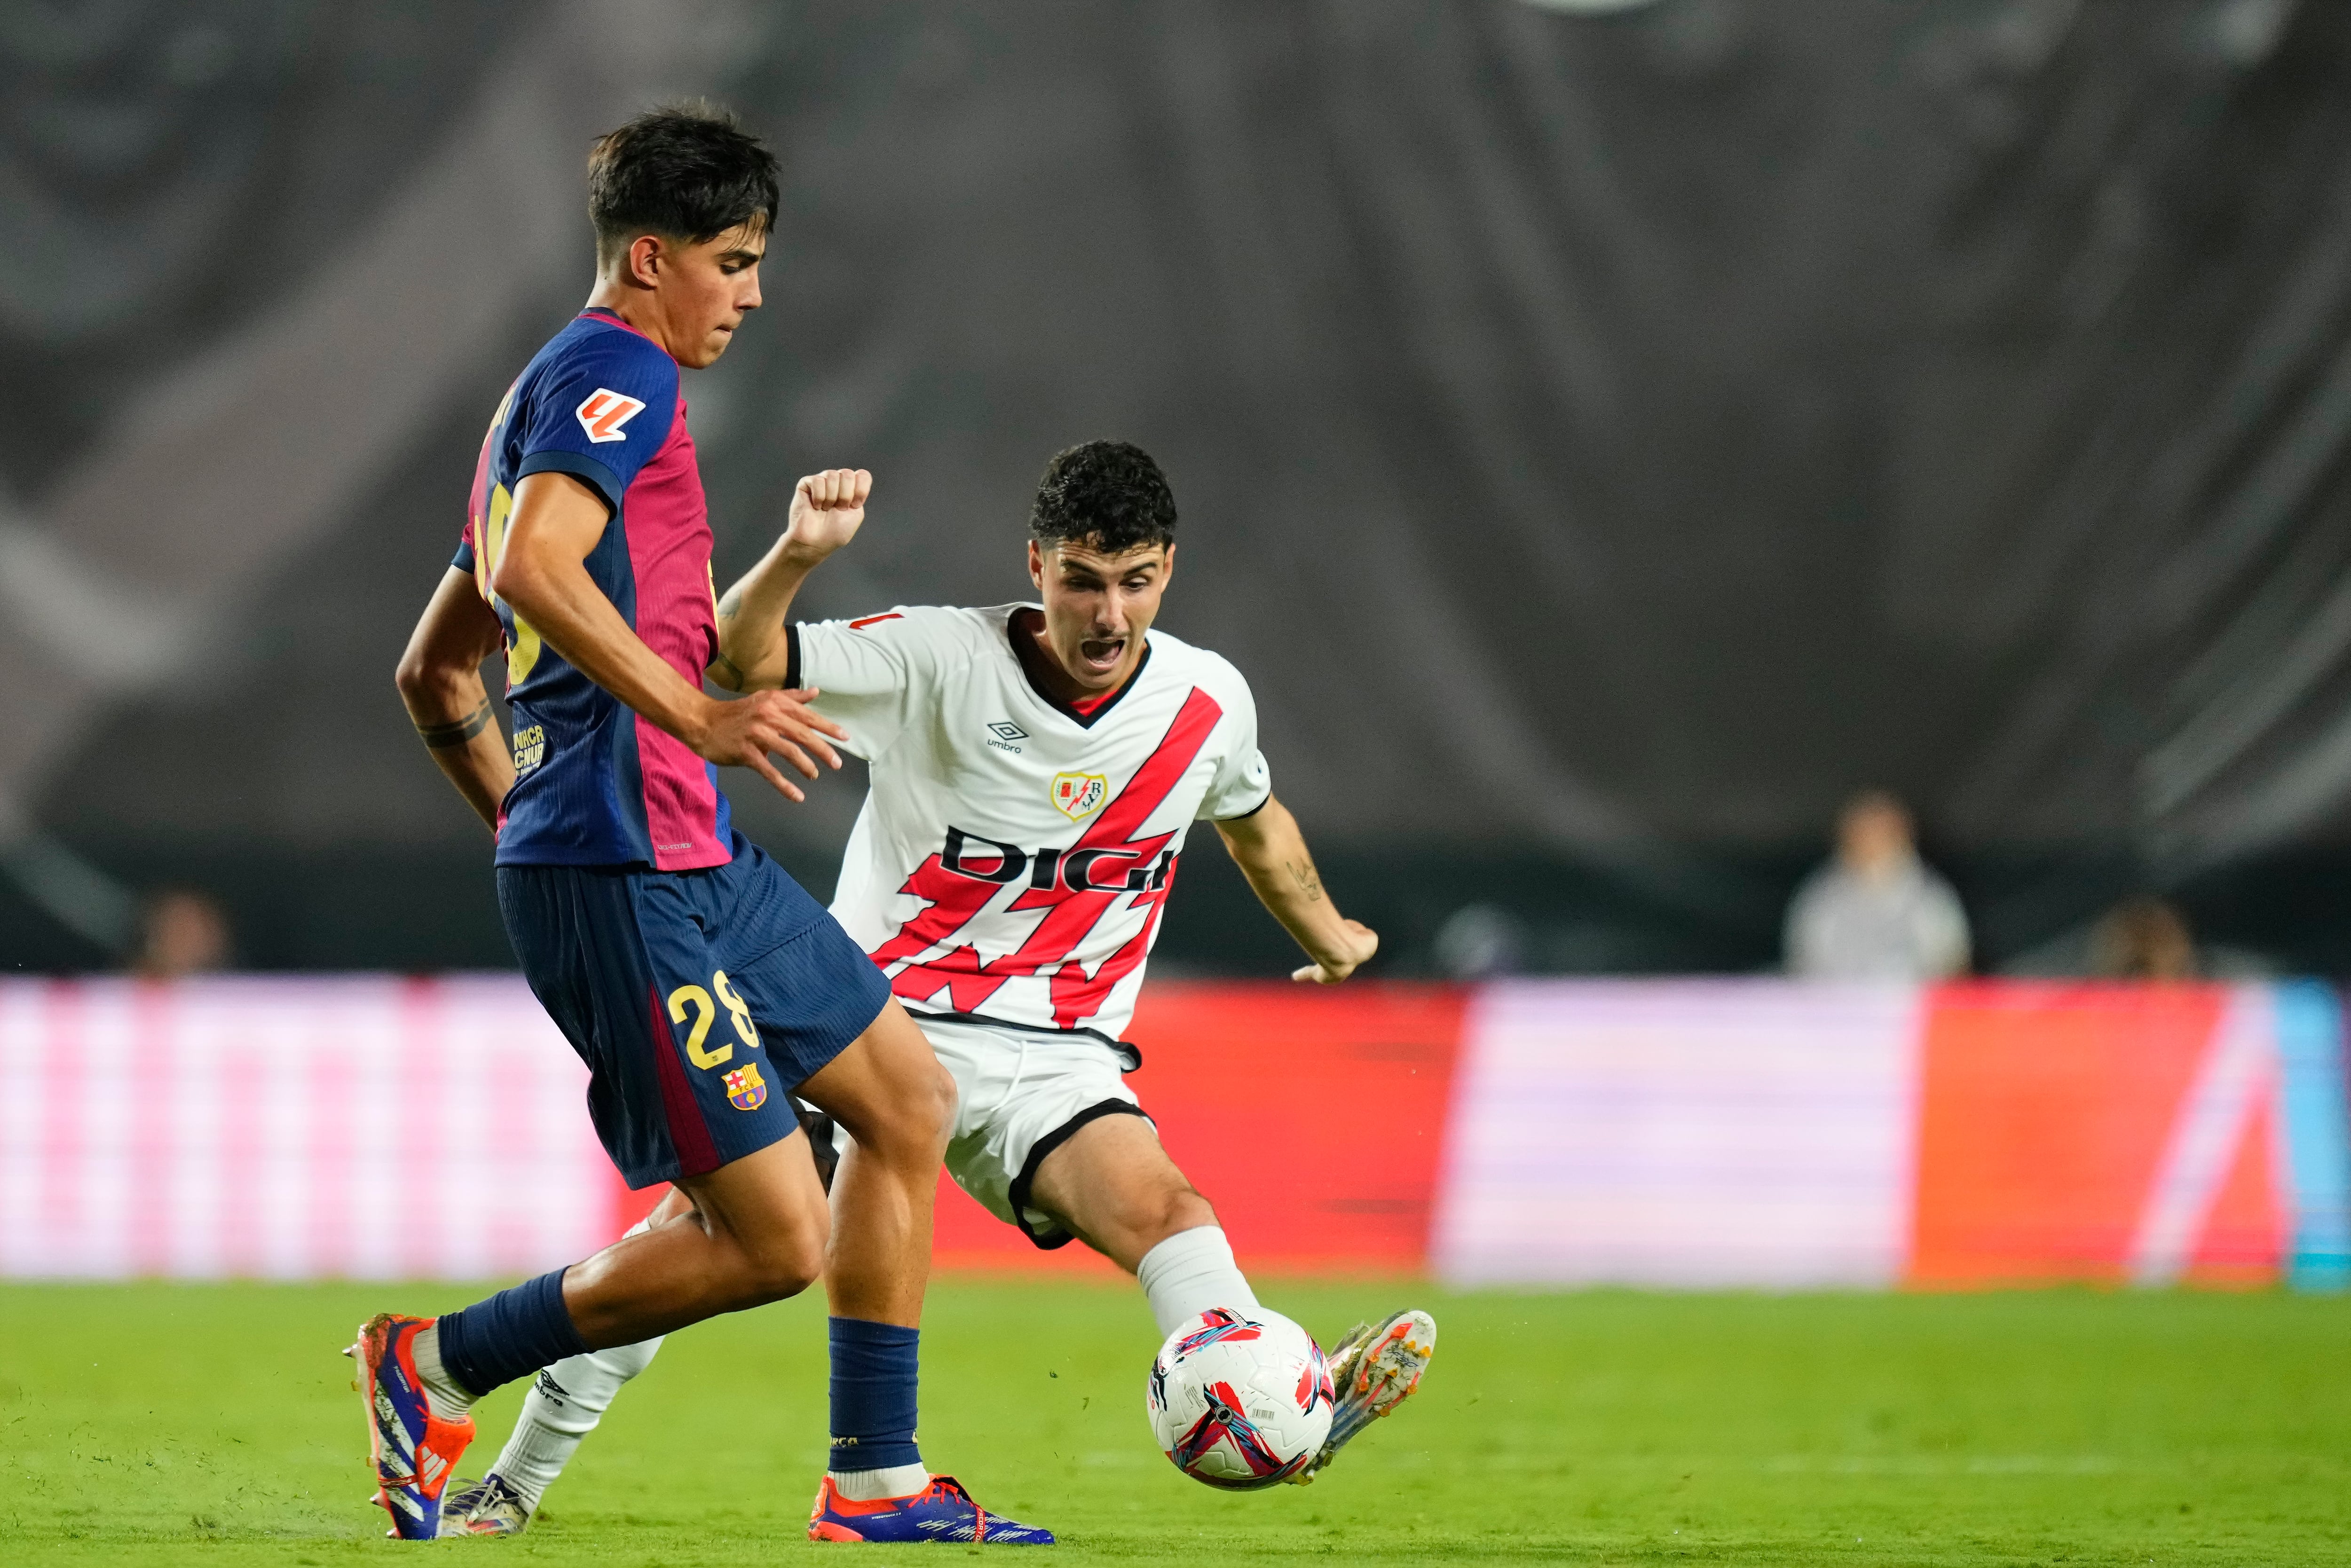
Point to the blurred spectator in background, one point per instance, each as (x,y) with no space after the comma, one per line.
(2143,939)
(1875,911)
(181,931)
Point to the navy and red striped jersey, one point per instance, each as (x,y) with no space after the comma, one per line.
(595,785)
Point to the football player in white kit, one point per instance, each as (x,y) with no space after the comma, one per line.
(1034,771)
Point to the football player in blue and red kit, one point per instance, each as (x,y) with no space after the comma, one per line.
(701,985)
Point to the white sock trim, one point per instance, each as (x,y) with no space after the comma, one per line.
(1189,1272)
(873,1486)
(448,1400)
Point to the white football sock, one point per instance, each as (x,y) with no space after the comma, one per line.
(873,1486)
(1189,1272)
(565,1403)
(448,1402)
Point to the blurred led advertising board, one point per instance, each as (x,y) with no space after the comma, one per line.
(292,1128)
(1748,1132)
(1759,1132)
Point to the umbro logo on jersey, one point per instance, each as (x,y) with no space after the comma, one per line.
(1005,730)
(604,413)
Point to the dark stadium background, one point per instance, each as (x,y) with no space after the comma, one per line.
(1604,442)
(1609,435)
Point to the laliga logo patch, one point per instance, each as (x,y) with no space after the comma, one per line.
(1078,796)
(604,413)
(746,1090)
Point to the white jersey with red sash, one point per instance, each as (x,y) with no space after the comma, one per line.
(1014,852)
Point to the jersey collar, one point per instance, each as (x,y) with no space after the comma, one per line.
(611,318)
(1023,652)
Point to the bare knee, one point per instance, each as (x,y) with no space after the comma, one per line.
(1176,1209)
(776,1269)
(772,1253)
(913,1127)
(935,1109)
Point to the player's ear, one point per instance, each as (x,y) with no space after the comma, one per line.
(642,264)
(1167,565)
(1036,565)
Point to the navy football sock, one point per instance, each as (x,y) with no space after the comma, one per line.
(874,1383)
(511,1336)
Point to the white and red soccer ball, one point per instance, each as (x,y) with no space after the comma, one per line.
(1239,1400)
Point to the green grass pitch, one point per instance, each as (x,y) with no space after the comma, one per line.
(214,1425)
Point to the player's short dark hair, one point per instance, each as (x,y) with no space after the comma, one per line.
(1109,494)
(685,171)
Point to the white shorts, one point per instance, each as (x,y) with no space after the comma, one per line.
(1019,1093)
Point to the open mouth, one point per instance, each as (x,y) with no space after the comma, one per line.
(1101,655)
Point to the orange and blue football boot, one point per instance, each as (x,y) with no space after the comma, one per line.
(1372,1370)
(942,1510)
(414,1451)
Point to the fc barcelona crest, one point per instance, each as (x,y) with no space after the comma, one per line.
(746,1090)
(1078,796)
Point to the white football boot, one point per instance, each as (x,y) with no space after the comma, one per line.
(486,1507)
(1372,1370)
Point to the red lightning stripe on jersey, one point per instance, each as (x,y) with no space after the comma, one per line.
(1077,994)
(953,901)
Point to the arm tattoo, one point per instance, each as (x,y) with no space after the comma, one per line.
(1303,873)
(731,605)
(726,672)
(456,732)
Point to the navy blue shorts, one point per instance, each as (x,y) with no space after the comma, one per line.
(699,999)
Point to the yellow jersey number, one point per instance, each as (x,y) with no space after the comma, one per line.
(694,1000)
(489,538)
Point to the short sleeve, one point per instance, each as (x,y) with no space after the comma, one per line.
(463,559)
(866,672)
(599,412)
(1243,783)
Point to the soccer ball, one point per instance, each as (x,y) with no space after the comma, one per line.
(1239,1400)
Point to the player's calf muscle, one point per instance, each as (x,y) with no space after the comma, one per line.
(656,1289)
(641,1288)
(756,1233)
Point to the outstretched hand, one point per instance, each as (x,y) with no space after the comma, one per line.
(827,509)
(1329,968)
(741,734)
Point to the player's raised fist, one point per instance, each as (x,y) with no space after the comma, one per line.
(827,509)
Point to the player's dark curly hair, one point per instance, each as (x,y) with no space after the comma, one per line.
(1108,495)
(684,171)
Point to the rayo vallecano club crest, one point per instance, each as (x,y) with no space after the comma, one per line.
(1078,796)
